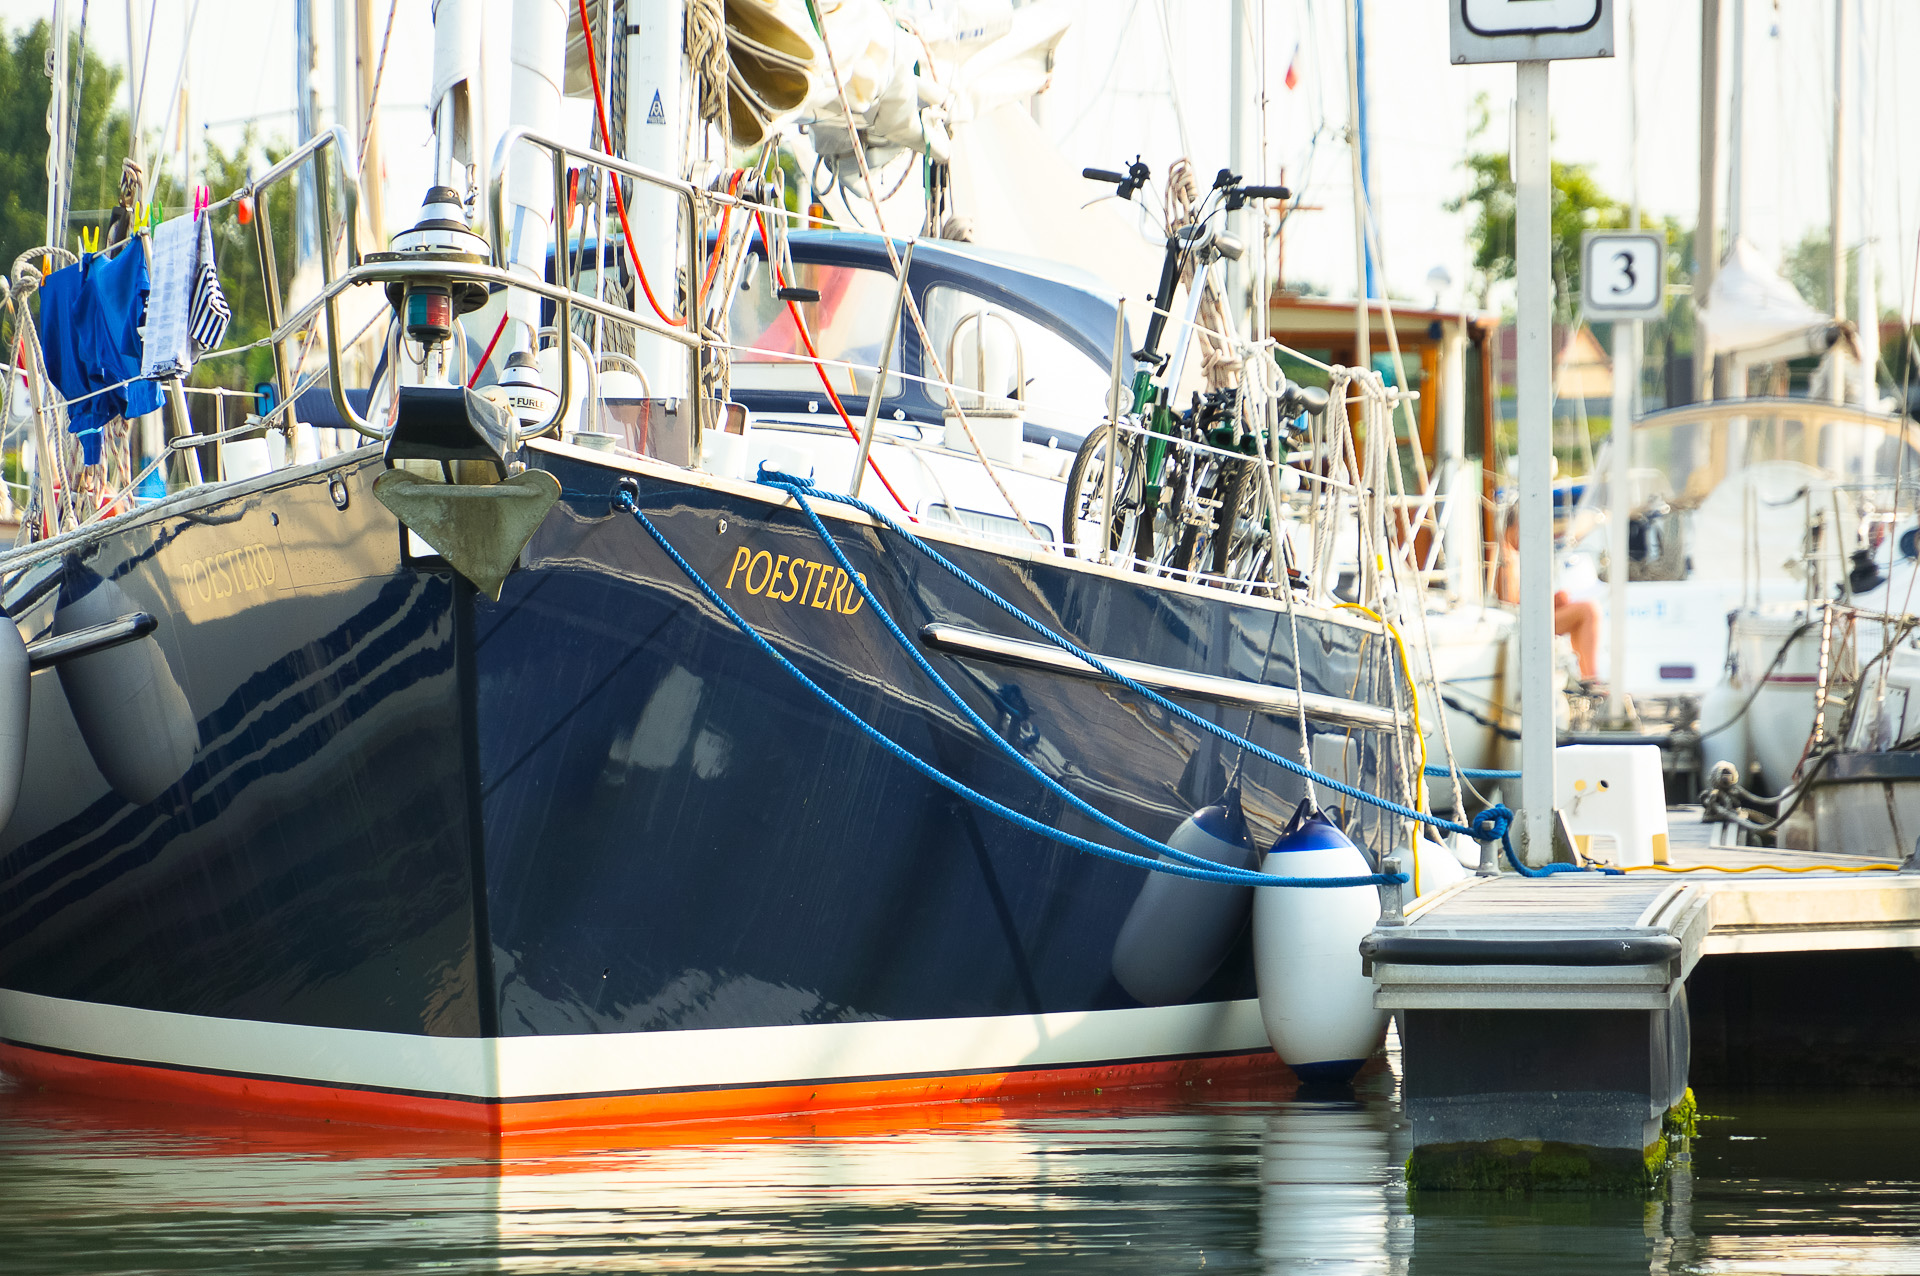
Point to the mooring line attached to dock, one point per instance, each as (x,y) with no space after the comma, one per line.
(1184,865)
(1494,822)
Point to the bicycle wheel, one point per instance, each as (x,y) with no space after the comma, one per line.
(1085,506)
(1238,524)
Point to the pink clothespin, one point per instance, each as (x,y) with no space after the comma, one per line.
(201,198)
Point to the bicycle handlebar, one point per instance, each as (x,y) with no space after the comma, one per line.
(1103,175)
(1266,192)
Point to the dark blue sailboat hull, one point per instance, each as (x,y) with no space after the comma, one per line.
(554,848)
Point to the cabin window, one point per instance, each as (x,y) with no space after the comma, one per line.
(999,526)
(994,347)
(847,324)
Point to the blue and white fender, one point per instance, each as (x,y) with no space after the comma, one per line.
(1180,930)
(1316,1003)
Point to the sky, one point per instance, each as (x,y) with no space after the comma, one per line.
(1112,97)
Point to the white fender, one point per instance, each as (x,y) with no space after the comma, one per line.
(1316,1003)
(127,703)
(1179,929)
(1435,866)
(15,694)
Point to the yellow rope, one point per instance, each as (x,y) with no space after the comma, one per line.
(1769,868)
(1413,692)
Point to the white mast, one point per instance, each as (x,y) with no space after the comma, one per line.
(1362,324)
(1706,244)
(656,139)
(1626,386)
(1867,304)
(538,56)
(1836,235)
(1237,138)
(1736,136)
(371,187)
(57,124)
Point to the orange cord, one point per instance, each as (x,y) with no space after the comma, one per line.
(720,239)
(619,200)
(806,339)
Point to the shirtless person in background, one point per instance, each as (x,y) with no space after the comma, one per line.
(1580,622)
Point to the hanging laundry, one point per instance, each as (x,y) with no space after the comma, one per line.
(90,317)
(210,314)
(165,352)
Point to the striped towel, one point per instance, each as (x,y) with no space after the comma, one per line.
(209,314)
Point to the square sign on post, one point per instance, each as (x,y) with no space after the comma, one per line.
(1530,30)
(1623,274)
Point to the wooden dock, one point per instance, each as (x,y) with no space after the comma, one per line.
(1555,1012)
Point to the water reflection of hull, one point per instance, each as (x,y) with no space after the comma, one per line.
(584,855)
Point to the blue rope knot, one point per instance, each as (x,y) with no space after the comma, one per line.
(779,478)
(1491,824)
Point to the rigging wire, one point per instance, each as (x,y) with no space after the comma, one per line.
(619,199)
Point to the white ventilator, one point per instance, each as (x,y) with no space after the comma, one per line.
(1314,999)
(539,60)
(1180,929)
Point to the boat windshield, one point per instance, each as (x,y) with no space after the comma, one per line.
(847,325)
(1682,456)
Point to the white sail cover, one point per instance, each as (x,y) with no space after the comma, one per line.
(1750,307)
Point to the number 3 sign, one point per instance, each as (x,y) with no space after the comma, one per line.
(1623,274)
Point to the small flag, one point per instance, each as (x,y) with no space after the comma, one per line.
(1293,67)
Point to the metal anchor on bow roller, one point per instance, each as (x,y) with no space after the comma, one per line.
(451,479)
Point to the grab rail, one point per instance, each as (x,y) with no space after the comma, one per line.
(567,298)
(256,190)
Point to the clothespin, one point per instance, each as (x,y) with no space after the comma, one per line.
(139,215)
(156,213)
(201,198)
(89,239)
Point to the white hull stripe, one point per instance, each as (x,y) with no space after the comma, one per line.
(524,1069)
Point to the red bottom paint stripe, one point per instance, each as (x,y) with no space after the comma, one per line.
(150,1083)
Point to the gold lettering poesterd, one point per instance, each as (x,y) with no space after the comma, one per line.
(800,581)
(234,571)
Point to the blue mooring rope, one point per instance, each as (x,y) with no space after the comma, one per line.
(1470,773)
(1186,865)
(1493,822)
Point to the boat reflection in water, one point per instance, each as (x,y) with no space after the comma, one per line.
(1203,1178)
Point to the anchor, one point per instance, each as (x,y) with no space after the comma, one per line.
(483,507)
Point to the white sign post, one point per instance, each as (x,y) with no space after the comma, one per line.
(1623,277)
(1530,33)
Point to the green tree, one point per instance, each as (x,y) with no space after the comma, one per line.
(1579,205)
(101,141)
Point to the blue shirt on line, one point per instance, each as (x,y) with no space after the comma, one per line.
(90,317)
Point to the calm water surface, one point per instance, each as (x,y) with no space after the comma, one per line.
(1267,1181)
